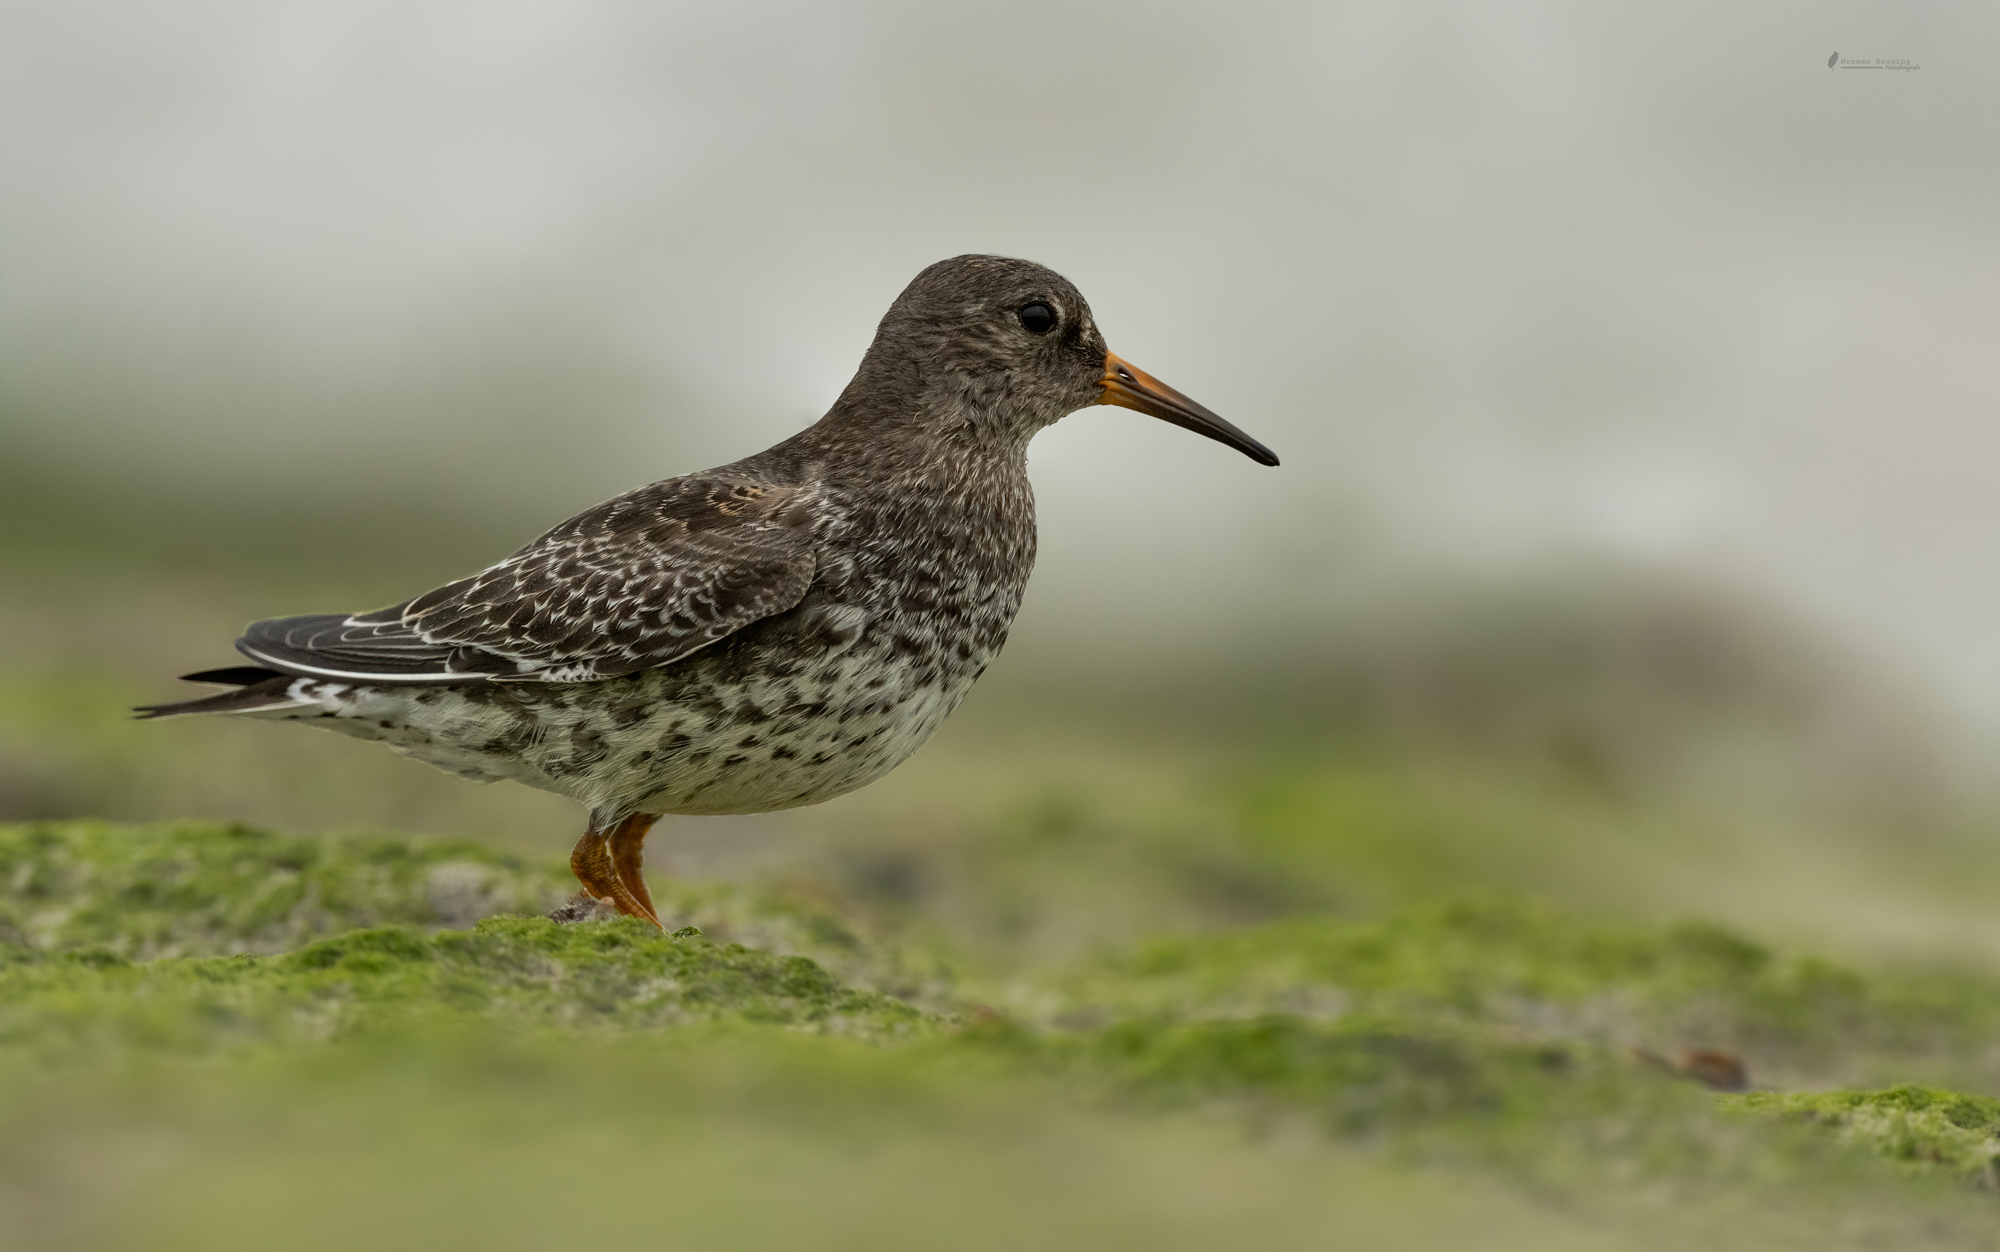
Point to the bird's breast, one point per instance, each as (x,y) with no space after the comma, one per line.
(910,606)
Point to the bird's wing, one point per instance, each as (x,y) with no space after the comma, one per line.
(638,581)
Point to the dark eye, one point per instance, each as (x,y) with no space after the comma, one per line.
(1039,318)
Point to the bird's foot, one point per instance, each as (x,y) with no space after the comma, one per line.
(584,907)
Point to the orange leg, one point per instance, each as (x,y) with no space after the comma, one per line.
(595,865)
(628,854)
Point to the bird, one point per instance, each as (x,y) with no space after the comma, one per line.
(771,633)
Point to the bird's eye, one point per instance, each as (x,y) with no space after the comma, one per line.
(1039,318)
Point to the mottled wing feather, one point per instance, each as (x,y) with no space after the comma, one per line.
(638,581)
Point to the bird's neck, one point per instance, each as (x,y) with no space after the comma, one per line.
(902,421)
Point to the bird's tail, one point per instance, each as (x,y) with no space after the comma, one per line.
(257,690)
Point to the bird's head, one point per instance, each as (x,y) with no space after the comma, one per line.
(1008,347)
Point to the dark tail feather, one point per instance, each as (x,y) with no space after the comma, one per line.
(260,689)
(234,676)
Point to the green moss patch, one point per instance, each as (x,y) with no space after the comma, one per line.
(508,972)
(1527,970)
(206,888)
(1922,1129)
(184,889)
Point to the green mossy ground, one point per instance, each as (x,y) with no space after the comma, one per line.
(216,1011)
(1921,1128)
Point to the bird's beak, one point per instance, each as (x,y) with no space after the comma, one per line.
(1130,387)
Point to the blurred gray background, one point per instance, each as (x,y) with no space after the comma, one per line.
(364,295)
